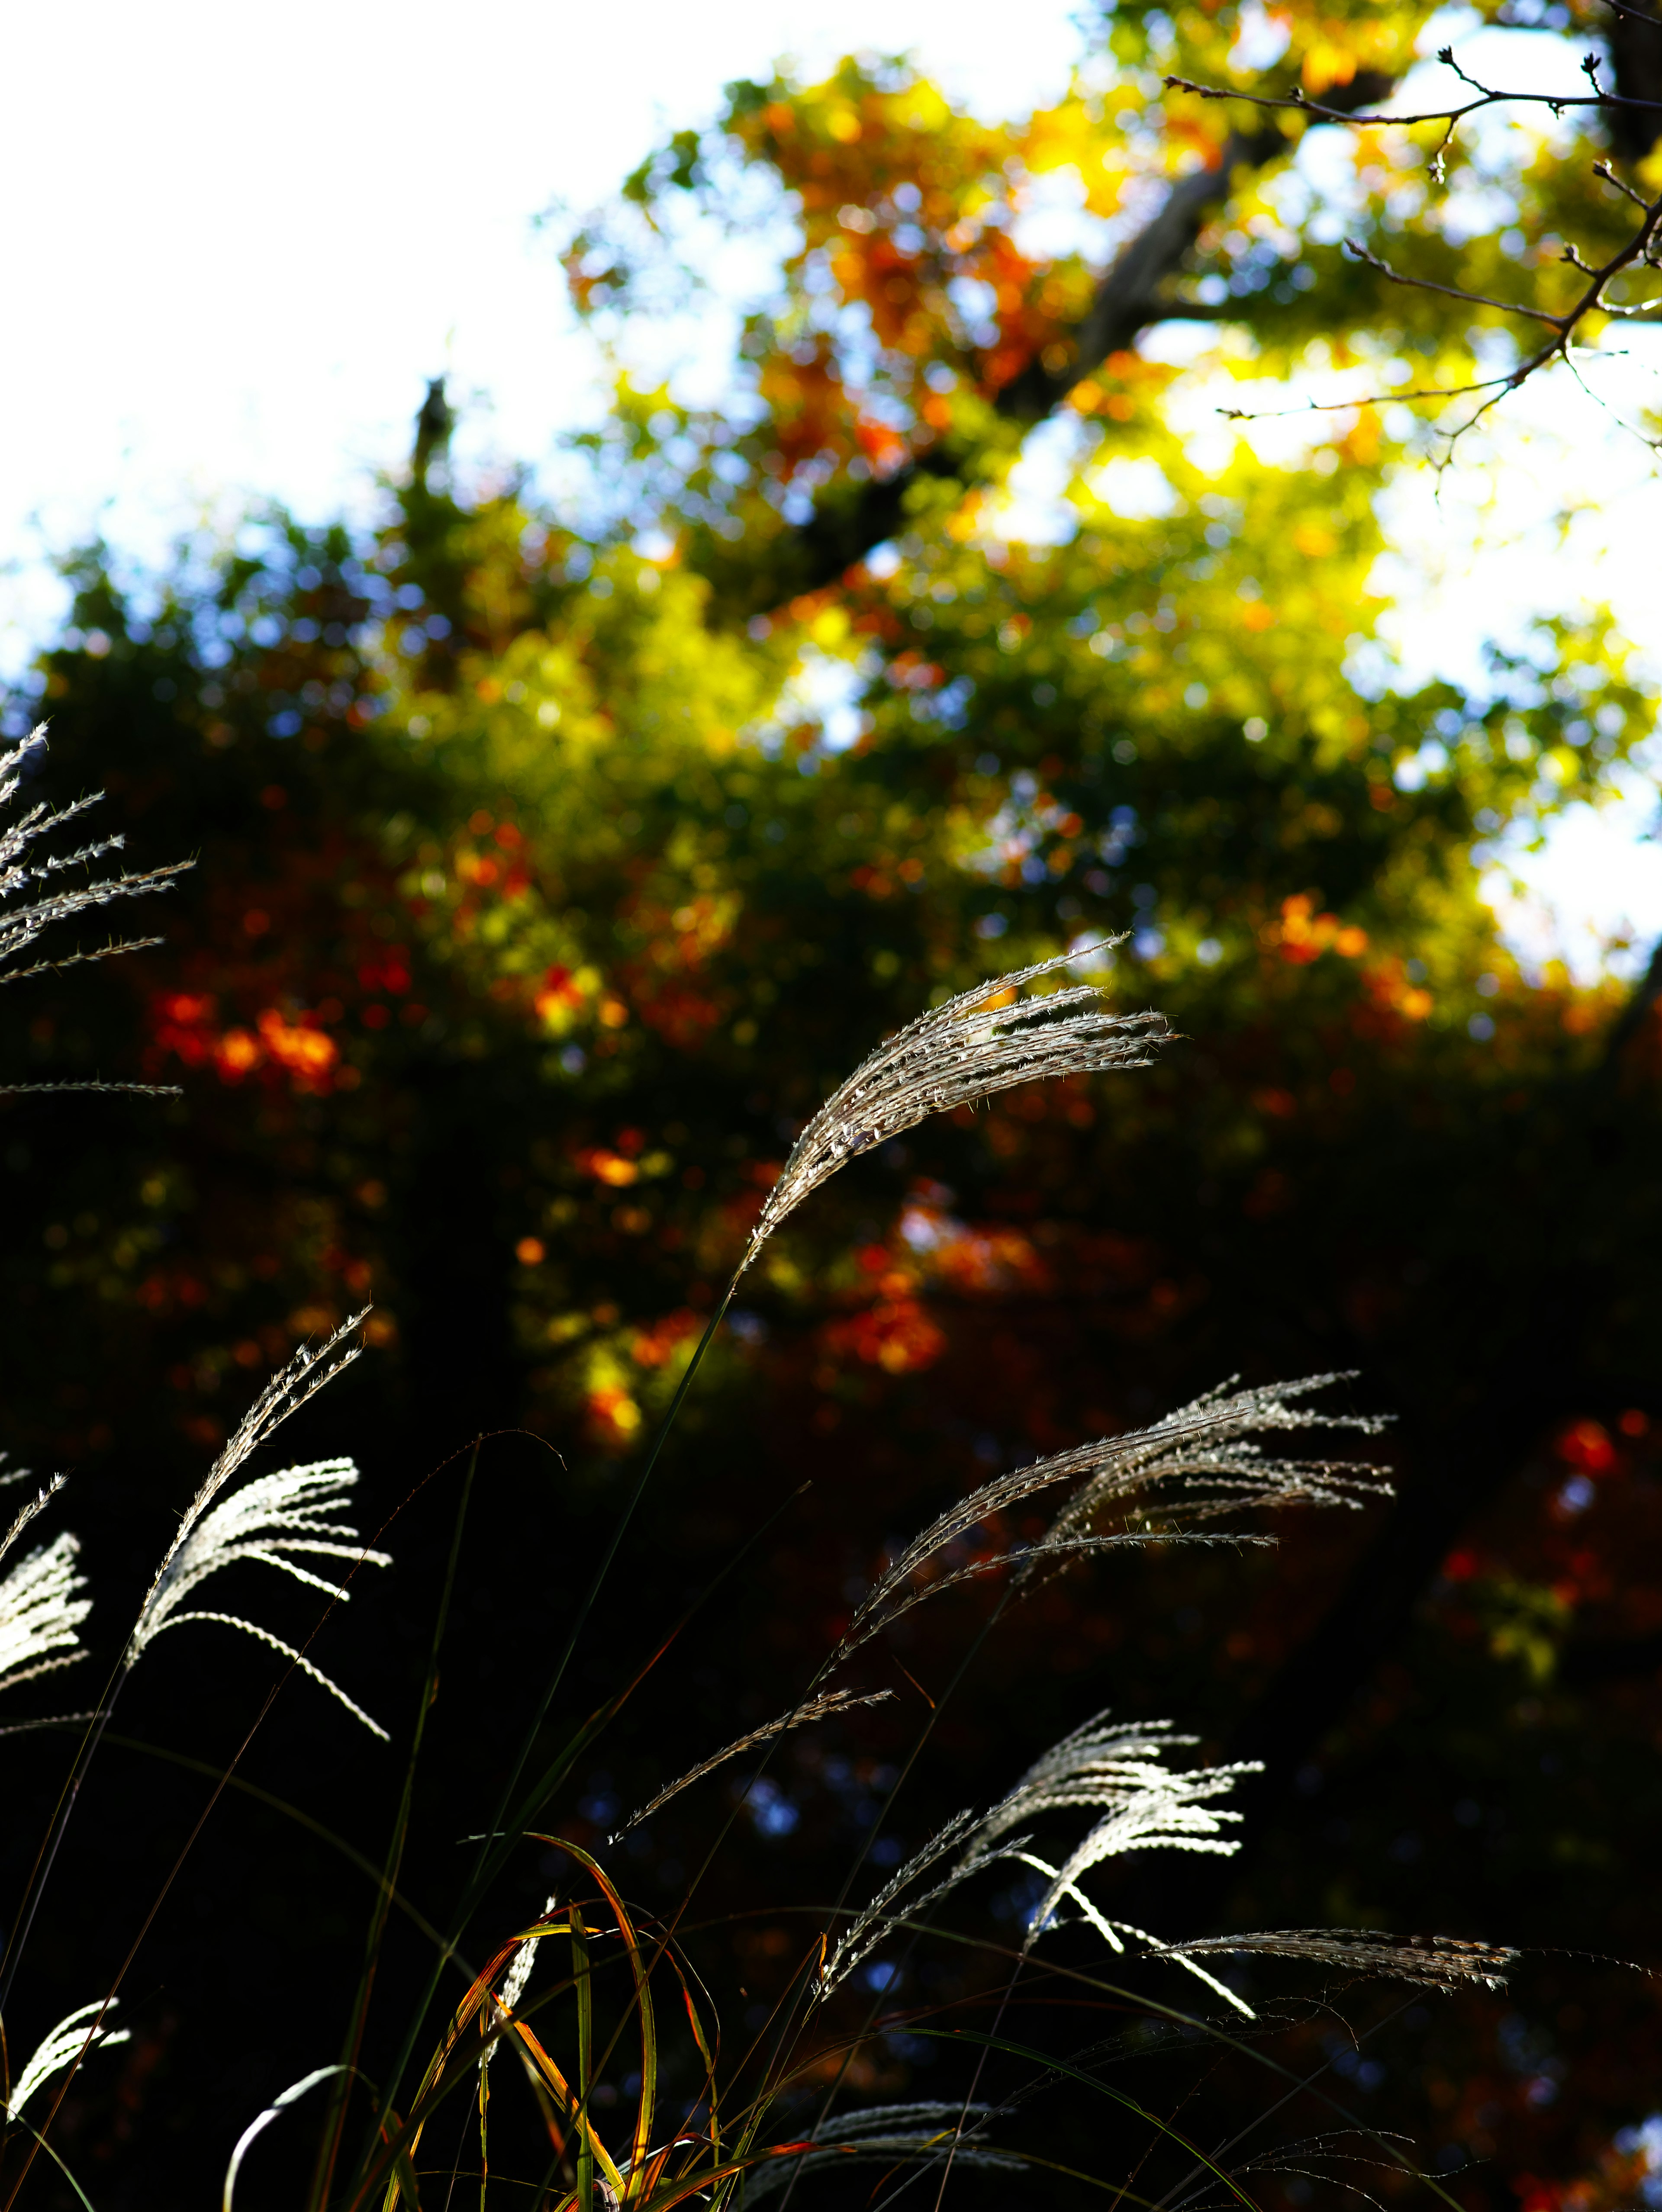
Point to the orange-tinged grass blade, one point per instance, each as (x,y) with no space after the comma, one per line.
(678,2191)
(642,1999)
(697,2185)
(404,2146)
(705,2051)
(489,1862)
(562,2088)
(585,2054)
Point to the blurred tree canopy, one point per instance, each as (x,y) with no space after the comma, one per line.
(555,859)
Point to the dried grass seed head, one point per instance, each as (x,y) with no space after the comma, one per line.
(303,1377)
(24,878)
(1201,1462)
(875,1921)
(1123,1770)
(26,1511)
(1098,1764)
(813,1709)
(983,1040)
(41,1610)
(1196,1465)
(74,2035)
(267,1522)
(1149,1807)
(1437,1962)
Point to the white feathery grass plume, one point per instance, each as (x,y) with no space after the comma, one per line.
(874,1922)
(74,2036)
(1112,1931)
(266,1521)
(983,1040)
(1097,1765)
(289,1390)
(1200,1461)
(1147,1805)
(1437,1962)
(41,1609)
(816,1709)
(26,1511)
(20,873)
(519,1973)
(1194,1465)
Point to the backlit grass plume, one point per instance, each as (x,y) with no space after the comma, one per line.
(1196,1465)
(1147,1805)
(25,878)
(267,1521)
(816,1709)
(1436,1962)
(76,2034)
(983,1040)
(41,1607)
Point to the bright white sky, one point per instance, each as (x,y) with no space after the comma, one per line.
(239,239)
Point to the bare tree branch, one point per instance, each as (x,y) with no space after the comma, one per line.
(1132,294)
(1640,247)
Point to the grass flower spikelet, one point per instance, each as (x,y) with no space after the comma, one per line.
(1197,1464)
(816,1709)
(267,1521)
(41,1607)
(24,878)
(1437,1962)
(41,1610)
(983,1040)
(74,2035)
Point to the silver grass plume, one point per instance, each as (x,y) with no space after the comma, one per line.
(30,1507)
(1196,1464)
(1201,1462)
(74,2035)
(26,878)
(893,1903)
(815,1708)
(983,1040)
(519,1972)
(41,1607)
(916,2135)
(41,1610)
(1437,1962)
(1113,1932)
(1147,1805)
(267,1521)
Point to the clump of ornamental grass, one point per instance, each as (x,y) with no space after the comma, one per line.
(596,1984)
